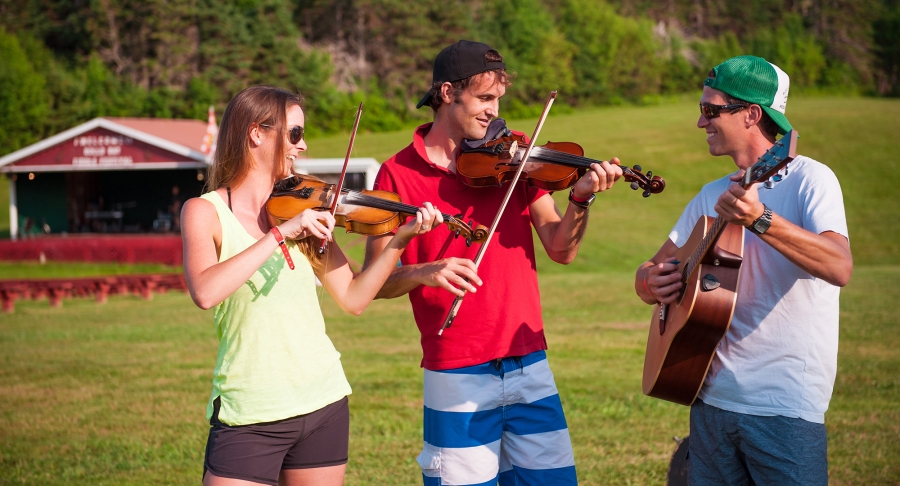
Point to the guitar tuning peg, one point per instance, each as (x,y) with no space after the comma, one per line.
(634,186)
(770,184)
(636,167)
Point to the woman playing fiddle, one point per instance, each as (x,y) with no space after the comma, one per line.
(278,409)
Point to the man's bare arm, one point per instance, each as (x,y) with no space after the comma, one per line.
(825,255)
(561,235)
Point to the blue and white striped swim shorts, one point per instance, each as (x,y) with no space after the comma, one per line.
(501,421)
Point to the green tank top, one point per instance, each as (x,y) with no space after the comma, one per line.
(275,360)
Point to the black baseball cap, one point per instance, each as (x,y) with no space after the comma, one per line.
(459,61)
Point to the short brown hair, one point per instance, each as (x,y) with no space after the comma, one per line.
(501,76)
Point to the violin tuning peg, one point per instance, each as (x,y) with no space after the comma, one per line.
(636,167)
(646,194)
(456,235)
(468,242)
(635,185)
(649,174)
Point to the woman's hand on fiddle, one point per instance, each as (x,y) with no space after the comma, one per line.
(427,218)
(599,178)
(308,223)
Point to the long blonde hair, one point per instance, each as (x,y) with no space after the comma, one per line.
(232,161)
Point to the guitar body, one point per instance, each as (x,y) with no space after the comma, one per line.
(680,348)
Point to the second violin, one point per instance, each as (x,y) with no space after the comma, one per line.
(553,166)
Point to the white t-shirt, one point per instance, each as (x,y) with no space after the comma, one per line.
(779,357)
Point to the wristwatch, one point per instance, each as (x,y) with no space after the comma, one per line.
(763,222)
(583,204)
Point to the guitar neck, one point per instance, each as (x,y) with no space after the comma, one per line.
(703,247)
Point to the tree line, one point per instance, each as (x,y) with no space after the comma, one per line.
(63,62)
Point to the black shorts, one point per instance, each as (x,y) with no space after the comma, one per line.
(258,452)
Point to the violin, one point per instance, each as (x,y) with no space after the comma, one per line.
(553,166)
(362,212)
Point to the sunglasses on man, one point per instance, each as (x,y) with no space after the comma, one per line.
(711,111)
(295,134)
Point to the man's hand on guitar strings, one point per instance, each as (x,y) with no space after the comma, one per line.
(664,280)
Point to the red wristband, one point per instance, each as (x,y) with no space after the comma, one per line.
(280,239)
(578,199)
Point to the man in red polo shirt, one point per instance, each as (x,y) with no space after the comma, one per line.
(492,411)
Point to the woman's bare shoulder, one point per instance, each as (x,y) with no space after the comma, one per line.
(199,214)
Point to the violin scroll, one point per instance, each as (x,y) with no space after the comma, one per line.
(650,183)
(473,233)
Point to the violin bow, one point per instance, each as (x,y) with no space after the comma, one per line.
(533,141)
(340,184)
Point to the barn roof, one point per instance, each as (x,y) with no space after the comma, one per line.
(155,143)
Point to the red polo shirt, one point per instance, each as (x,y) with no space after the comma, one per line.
(501,319)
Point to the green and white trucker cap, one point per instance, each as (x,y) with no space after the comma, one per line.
(755,80)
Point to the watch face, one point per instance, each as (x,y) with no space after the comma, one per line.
(761,226)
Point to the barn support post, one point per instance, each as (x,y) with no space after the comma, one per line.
(13,209)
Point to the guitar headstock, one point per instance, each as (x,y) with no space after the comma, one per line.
(773,160)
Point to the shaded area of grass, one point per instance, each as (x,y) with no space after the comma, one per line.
(116,393)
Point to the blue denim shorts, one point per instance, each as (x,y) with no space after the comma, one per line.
(739,449)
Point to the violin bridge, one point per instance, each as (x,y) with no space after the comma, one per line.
(509,154)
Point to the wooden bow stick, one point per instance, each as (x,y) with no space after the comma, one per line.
(340,184)
(537,130)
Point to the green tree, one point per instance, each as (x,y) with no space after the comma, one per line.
(23,104)
(618,61)
(886,30)
(524,32)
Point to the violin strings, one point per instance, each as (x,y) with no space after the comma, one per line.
(569,159)
(378,203)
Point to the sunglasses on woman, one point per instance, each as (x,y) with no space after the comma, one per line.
(295,134)
(711,111)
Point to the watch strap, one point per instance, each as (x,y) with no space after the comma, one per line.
(762,223)
(581,203)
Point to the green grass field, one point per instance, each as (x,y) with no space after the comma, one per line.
(115,393)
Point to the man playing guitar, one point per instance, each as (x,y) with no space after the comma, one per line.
(492,411)
(759,417)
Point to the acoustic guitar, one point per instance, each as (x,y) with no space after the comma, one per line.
(684,334)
